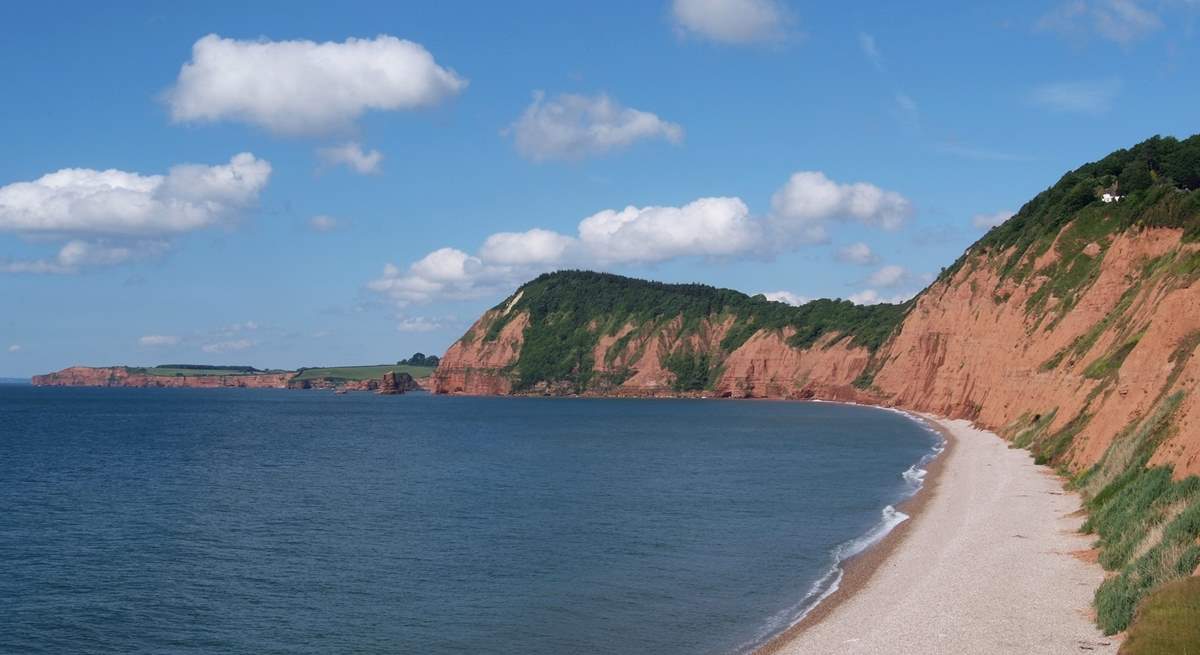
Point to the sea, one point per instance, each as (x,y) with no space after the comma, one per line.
(276,521)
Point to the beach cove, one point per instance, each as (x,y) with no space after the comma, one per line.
(991,561)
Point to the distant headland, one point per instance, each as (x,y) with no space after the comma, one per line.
(405,375)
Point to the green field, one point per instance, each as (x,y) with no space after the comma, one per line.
(362,372)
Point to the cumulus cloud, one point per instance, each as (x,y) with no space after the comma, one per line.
(227,346)
(352,156)
(323,223)
(1119,21)
(111,217)
(1086,97)
(570,127)
(445,273)
(536,246)
(786,297)
(989,221)
(857,253)
(873,297)
(802,208)
(718,227)
(714,227)
(305,87)
(14,348)
(731,21)
(889,276)
(152,340)
(113,202)
(708,226)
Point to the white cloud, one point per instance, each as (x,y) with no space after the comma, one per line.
(857,253)
(732,21)
(352,156)
(152,340)
(570,127)
(873,297)
(786,297)
(443,273)
(719,227)
(113,202)
(419,324)
(1120,21)
(304,87)
(708,226)
(536,246)
(1088,97)
(870,50)
(809,199)
(14,348)
(111,217)
(324,223)
(78,254)
(227,346)
(714,227)
(988,221)
(889,276)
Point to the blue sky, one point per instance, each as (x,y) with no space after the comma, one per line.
(767,146)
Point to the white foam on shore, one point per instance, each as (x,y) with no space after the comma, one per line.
(830,582)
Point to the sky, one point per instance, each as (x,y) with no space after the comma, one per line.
(280,185)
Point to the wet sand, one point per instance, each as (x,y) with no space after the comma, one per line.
(988,563)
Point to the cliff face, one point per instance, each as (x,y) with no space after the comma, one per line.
(1061,329)
(970,347)
(119,376)
(973,348)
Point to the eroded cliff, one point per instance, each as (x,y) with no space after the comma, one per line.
(1071,330)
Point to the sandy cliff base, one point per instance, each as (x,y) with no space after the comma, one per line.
(989,564)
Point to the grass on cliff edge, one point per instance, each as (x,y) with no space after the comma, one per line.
(1167,622)
(177,370)
(1147,524)
(361,372)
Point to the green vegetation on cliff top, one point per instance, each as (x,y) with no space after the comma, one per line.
(570,310)
(1159,184)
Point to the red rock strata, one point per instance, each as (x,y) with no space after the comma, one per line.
(970,348)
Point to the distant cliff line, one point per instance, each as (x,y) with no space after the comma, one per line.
(383,378)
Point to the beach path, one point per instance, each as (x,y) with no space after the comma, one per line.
(990,564)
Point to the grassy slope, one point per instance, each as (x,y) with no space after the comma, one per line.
(1168,622)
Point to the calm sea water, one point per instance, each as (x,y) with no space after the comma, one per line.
(264,521)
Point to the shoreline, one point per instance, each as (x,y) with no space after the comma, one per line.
(859,569)
(986,514)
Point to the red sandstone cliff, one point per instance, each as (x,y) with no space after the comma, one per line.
(971,347)
(119,376)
